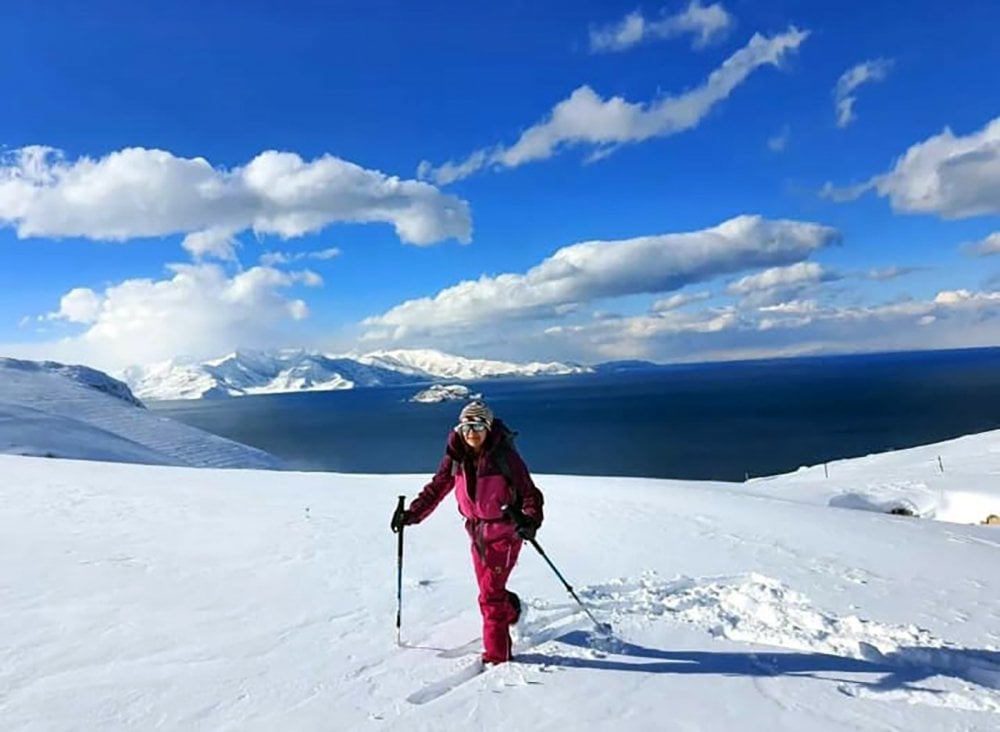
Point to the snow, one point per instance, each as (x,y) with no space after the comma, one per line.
(443,393)
(158,596)
(427,362)
(273,372)
(957,480)
(249,372)
(51,410)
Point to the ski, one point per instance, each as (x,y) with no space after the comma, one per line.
(439,688)
(473,646)
(466,649)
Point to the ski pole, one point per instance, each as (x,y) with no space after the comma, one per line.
(399,574)
(602,627)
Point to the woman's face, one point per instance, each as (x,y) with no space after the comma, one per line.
(474,433)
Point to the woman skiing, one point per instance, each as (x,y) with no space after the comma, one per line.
(501,505)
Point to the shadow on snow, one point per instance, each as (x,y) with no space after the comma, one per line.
(900,668)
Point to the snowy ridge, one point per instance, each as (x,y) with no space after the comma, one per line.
(430,363)
(255,372)
(272,372)
(83,375)
(53,410)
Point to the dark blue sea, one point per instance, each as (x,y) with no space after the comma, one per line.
(709,421)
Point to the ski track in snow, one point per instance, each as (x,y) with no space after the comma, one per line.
(748,608)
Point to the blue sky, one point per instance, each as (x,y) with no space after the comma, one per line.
(580,181)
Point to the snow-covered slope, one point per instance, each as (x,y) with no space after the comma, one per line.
(271,372)
(957,481)
(137,597)
(52,410)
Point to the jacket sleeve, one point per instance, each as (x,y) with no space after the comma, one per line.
(531,497)
(434,492)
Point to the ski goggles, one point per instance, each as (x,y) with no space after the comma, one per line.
(464,428)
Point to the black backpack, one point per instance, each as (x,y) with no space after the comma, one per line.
(503,448)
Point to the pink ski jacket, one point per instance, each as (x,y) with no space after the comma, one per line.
(480,485)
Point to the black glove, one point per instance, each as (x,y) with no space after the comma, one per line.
(527,530)
(525,527)
(400,518)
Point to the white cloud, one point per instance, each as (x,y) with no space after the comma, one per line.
(967,299)
(273,258)
(800,273)
(797,307)
(619,36)
(988,246)
(889,273)
(794,314)
(324,254)
(952,177)
(137,192)
(216,242)
(779,141)
(714,320)
(850,80)
(639,336)
(944,306)
(79,305)
(706,23)
(678,301)
(599,269)
(780,284)
(584,118)
(843,194)
(950,319)
(198,311)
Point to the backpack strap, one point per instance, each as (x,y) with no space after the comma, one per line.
(500,457)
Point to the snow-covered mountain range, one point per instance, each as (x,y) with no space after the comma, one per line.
(272,372)
(427,363)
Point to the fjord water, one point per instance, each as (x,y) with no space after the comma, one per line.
(720,421)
